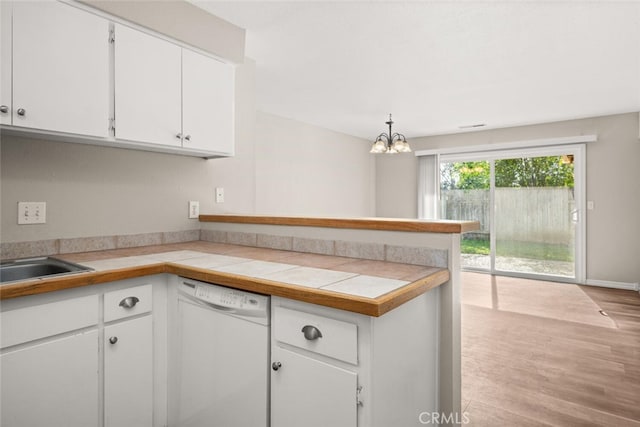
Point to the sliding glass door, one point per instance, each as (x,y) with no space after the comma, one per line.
(465,195)
(529,207)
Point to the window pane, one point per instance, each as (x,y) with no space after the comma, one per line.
(534,222)
(464,195)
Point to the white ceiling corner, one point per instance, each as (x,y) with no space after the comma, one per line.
(344,65)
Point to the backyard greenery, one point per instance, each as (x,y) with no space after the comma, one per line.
(549,171)
(529,250)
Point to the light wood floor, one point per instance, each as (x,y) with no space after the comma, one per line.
(540,353)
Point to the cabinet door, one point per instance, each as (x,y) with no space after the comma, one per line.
(308,392)
(51,384)
(60,69)
(148,99)
(5,62)
(208,103)
(128,373)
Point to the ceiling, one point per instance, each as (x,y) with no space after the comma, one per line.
(437,66)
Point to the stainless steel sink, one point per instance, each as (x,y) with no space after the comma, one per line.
(33,268)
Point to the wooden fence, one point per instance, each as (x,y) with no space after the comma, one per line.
(534,214)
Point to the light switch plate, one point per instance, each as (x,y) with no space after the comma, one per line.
(219,195)
(32,213)
(194,209)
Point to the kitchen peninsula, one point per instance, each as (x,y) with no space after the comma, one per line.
(350,269)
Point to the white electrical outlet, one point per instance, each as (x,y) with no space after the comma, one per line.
(219,195)
(32,212)
(194,209)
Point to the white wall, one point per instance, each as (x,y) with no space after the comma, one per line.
(280,167)
(305,170)
(613,228)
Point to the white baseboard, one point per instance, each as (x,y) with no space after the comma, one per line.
(612,284)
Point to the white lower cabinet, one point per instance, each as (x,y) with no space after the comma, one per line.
(49,363)
(128,357)
(54,383)
(309,392)
(128,373)
(91,356)
(99,356)
(336,368)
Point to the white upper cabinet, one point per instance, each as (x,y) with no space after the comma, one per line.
(208,103)
(5,63)
(60,60)
(62,74)
(168,95)
(148,99)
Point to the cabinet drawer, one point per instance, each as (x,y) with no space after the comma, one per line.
(45,320)
(127,302)
(338,339)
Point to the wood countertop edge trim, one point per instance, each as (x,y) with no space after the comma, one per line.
(39,286)
(394,299)
(263,286)
(374,307)
(380,224)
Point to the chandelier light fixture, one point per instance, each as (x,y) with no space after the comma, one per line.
(390,143)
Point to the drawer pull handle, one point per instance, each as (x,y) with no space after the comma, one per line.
(276,365)
(129,302)
(311,332)
(113,340)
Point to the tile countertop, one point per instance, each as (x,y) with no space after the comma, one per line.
(362,286)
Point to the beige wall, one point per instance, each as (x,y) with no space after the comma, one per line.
(304,170)
(280,167)
(613,229)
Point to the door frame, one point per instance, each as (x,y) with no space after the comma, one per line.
(579,153)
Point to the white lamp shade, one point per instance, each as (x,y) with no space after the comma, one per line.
(401,146)
(379,147)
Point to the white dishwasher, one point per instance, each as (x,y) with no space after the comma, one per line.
(222,356)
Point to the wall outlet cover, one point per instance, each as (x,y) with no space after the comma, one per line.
(194,209)
(219,195)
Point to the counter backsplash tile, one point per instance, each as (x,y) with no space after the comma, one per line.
(242,239)
(87,244)
(284,243)
(314,246)
(417,255)
(29,249)
(373,251)
(11,250)
(422,256)
(180,236)
(135,240)
(214,236)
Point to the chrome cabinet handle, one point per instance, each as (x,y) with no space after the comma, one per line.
(311,332)
(129,302)
(113,340)
(4,109)
(22,112)
(276,365)
(187,138)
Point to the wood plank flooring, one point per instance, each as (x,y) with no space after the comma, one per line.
(541,354)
